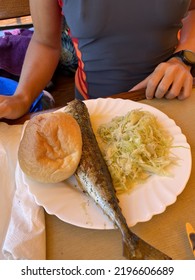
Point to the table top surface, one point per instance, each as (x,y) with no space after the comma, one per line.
(165,231)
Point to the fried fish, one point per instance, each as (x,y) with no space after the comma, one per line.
(94,177)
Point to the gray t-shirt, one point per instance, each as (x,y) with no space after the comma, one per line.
(119,43)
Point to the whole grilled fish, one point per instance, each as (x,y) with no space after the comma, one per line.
(96,181)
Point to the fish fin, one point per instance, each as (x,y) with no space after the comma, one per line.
(142,251)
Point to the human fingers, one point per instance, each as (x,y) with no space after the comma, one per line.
(4,109)
(170,79)
(11,107)
(174,84)
(181,88)
(141,85)
(154,81)
(151,83)
(158,82)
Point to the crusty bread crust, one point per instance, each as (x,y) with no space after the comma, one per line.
(51,147)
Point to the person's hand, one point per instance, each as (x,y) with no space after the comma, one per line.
(12,107)
(170,79)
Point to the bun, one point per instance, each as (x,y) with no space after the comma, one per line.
(51,147)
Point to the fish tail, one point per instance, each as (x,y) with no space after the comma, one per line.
(137,249)
(126,252)
(129,250)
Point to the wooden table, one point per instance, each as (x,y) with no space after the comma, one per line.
(165,231)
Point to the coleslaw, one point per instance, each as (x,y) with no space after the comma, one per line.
(135,146)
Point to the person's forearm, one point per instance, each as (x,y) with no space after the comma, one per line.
(39,65)
(187,35)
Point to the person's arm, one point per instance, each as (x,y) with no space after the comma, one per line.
(187,39)
(41,58)
(173,78)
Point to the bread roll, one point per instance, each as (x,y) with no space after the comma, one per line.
(51,147)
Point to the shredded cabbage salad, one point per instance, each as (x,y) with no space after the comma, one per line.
(135,146)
